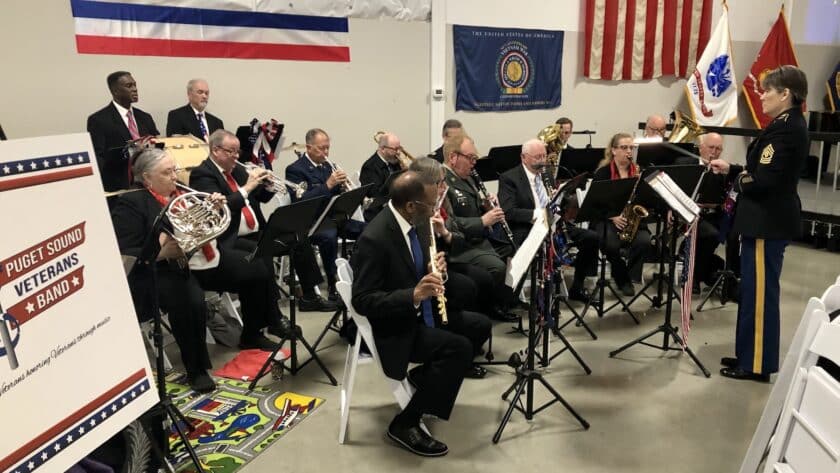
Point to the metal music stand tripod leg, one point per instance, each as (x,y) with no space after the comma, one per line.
(602,283)
(526,373)
(669,332)
(293,338)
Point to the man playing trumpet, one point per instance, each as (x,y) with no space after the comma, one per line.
(245,190)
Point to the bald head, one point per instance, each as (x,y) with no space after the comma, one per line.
(413,199)
(711,146)
(655,126)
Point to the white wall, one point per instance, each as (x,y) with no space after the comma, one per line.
(47,88)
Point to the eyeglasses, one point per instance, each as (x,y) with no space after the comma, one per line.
(431,206)
(232,152)
(537,156)
(392,148)
(471,157)
(658,131)
(322,148)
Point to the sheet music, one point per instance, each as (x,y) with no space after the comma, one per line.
(323,215)
(673,196)
(518,265)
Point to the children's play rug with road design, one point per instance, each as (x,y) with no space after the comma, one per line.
(233,425)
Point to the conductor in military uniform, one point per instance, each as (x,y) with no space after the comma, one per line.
(767,218)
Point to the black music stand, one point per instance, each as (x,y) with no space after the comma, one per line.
(285,230)
(687,178)
(503,158)
(579,160)
(668,331)
(662,153)
(338,214)
(526,373)
(146,264)
(605,199)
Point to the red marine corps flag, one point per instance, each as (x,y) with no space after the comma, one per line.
(776,51)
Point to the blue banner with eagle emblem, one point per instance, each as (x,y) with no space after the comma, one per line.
(507,69)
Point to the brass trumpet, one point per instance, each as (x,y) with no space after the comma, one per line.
(276,183)
(404,157)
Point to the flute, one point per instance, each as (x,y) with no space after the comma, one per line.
(441,298)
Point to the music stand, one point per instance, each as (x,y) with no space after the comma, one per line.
(662,153)
(337,214)
(503,159)
(605,199)
(579,160)
(526,373)
(668,331)
(286,229)
(687,178)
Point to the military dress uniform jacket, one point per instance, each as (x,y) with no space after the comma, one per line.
(768,204)
(466,207)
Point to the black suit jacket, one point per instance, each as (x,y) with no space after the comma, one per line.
(207,178)
(109,135)
(768,203)
(383,289)
(517,201)
(182,121)
(375,171)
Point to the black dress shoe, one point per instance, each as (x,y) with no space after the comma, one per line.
(416,441)
(259,341)
(729,361)
(581,295)
(316,303)
(283,328)
(498,314)
(201,382)
(738,373)
(476,372)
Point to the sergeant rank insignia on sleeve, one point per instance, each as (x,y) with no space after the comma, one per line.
(767,154)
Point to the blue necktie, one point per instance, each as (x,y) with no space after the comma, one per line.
(201,126)
(417,254)
(541,195)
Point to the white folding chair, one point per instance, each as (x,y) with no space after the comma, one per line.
(831,298)
(808,437)
(813,314)
(401,389)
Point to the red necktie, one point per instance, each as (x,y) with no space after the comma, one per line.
(246,212)
(132,126)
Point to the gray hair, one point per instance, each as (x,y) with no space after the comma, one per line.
(427,169)
(218,137)
(192,82)
(384,138)
(526,146)
(313,133)
(145,161)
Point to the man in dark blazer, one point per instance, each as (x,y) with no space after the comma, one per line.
(519,189)
(565,132)
(192,118)
(322,180)
(244,195)
(393,288)
(116,124)
(377,169)
(451,127)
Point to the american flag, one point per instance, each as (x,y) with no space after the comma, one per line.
(41,170)
(687,279)
(644,39)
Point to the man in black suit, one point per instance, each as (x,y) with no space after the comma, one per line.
(565,132)
(323,179)
(113,126)
(244,192)
(519,189)
(192,118)
(393,287)
(376,170)
(451,127)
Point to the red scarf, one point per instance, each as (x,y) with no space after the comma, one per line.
(614,174)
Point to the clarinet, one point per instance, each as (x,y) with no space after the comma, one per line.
(486,196)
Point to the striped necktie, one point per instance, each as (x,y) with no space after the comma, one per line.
(540,188)
(200,117)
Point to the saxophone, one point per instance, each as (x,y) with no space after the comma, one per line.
(633,214)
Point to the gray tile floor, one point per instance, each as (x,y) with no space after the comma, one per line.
(649,411)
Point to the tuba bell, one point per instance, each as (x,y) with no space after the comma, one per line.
(685,129)
(550,135)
